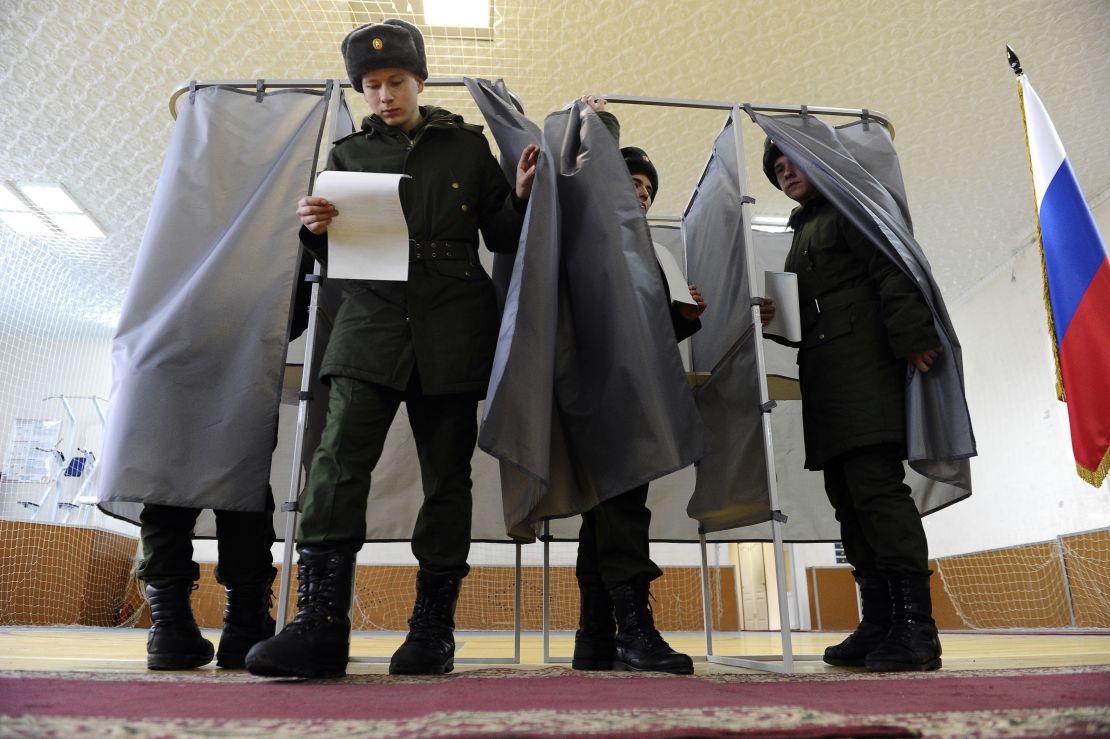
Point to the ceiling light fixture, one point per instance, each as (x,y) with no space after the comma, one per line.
(51,198)
(771,224)
(457,13)
(45,210)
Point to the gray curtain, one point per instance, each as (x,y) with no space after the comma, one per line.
(731,488)
(839,162)
(199,352)
(588,397)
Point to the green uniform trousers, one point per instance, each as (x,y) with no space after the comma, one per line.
(445,429)
(243,539)
(613,541)
(879,523)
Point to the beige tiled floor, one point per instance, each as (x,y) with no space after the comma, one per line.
(38,648)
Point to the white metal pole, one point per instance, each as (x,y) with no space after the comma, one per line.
(290,506)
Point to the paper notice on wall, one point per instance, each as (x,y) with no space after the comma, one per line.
(782,287)
(369,239)
(31,450)
(676,281)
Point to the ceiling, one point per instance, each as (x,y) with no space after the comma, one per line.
(83,97)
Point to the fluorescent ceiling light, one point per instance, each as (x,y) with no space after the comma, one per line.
(26,223)
(51,198)
(78,225)
(457,13)
(9,200)
(771,224)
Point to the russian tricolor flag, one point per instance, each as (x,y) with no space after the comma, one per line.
(1077,280)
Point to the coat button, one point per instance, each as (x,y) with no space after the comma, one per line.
(455,186)
(820,336)
(465,208)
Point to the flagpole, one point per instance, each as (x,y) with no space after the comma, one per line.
(1015,64)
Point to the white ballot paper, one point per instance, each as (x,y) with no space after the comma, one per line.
(782,287)
(369,239)
(676,281)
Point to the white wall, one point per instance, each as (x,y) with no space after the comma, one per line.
(1025,485)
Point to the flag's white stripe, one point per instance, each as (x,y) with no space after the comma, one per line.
(1047,153)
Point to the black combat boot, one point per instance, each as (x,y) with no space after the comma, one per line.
(640,647)
(174,641)
(247,621)
(594,644)
(875,596)
(913,643)
(316,643)
(429,648)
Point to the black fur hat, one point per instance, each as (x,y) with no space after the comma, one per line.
(771,153)
(391,43)
(638,162)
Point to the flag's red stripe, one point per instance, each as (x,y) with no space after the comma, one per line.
(1085,362)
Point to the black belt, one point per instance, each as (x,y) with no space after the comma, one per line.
(814,308)
(423,251)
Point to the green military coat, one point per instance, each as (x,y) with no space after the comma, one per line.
(861,318)
(443,320)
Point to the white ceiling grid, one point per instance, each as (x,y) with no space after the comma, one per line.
(83,97)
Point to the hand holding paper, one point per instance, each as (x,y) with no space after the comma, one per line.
(782,287)
(370,240)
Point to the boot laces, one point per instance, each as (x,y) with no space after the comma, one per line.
(432,610)
(642,624)
(315,594)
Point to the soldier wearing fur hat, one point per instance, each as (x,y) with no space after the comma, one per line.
(614,568)
(863,321)
(427,342)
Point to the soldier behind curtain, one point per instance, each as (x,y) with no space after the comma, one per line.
(863,322)
(614,568)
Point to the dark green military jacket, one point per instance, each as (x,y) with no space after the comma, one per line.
(443,321)
(861,318)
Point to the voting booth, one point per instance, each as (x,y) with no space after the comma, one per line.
(211,402)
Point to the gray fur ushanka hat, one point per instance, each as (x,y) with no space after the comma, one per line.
(391,43)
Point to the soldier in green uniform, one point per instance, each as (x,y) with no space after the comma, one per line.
(427,342)
(614,568)
(863,321)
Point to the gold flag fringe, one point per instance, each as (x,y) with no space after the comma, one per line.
(1060,393)
(1098,475)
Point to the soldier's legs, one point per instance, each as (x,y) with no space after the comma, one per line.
(445,428)
(166,533)
(612,549)
(333,505)
(168,570)
(616,546)
(316,643)
(243,540)
(856,548)
(246,571)
(887,518)
(891,525)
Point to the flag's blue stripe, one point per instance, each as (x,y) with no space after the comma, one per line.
(1073,249)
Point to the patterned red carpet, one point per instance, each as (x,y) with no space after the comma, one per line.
(556,701)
